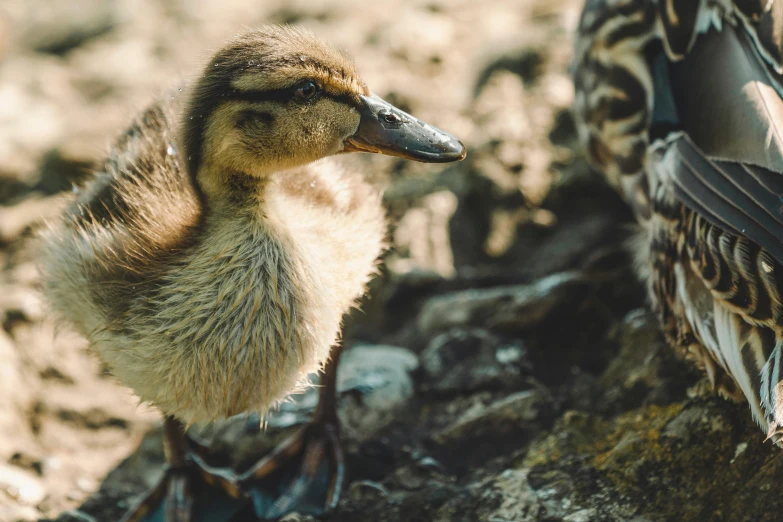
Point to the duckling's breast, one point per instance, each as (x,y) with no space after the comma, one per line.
(258,304)
(236,316)
(235,325)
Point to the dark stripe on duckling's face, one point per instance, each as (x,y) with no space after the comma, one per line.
(291,95)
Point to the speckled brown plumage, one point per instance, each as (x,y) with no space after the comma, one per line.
(679,104)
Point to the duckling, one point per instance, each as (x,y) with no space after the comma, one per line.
(680,103)
(212,258)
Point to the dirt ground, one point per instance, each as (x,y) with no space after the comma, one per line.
(505,366)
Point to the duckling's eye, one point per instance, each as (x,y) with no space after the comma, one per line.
(307,90)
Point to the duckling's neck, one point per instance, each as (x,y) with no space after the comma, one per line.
(232,192)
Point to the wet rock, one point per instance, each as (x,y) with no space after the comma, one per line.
(381,374)
(368,491)
(295,517)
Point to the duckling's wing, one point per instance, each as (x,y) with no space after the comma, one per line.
(125,227)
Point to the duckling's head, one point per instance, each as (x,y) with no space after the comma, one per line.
(278,97)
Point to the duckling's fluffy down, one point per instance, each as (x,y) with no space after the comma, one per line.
(209,316)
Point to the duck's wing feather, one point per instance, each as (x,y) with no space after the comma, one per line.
(728,165)
(733,196)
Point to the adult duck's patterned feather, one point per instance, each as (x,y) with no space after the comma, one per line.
(618,99)
(679,103)
(613,97)
(678,22)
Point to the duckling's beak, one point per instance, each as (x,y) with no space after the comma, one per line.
(385,129)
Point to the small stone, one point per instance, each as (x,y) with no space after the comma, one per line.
(375,382)
(380,373)
(368,490)
(741,447)
(296,517)
(87,485)
(21,485)
(583,515)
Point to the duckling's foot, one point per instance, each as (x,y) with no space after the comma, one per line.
(305,474)
(183,493)
(183,496)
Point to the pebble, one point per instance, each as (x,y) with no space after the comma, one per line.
(21,485)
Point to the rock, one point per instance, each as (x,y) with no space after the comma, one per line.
(296,517)
(645,369)
(376,382)
(19,513)
(17,219)
(466,360)
(368,491)
(381,374)
(583,515)
(511,413)
(373,382)
(506,308)
(697,422)
(66,24)
(511,498)
(423,234)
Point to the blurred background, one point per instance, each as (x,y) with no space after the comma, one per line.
(504,367)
